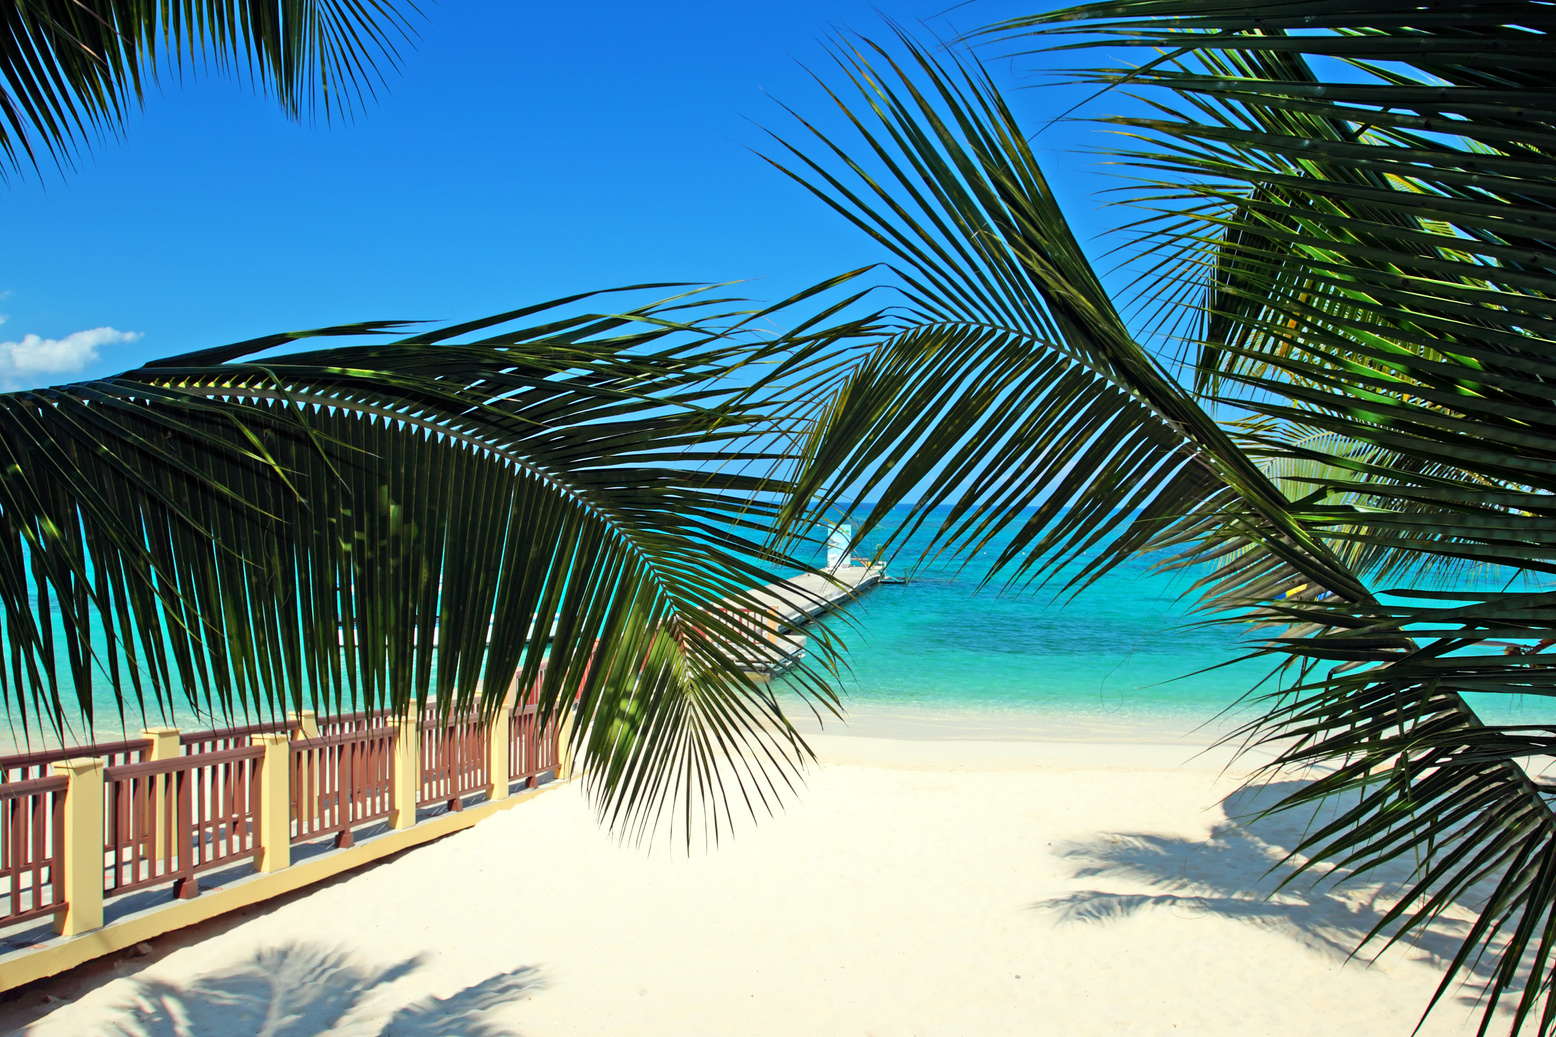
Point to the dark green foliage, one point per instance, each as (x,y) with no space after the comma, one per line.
(69,69)
(1353,226)
(364,526)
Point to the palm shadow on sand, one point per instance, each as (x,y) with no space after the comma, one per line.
(1236,872)
(299,990)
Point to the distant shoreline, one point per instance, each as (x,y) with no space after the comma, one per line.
(980,722)
(870,718)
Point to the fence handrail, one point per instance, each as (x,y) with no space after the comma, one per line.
(32,786)
(73,752)
(124,771)
(370,717)
(342,738)
(194,737)
(430,722)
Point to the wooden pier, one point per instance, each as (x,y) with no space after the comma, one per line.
(796,602)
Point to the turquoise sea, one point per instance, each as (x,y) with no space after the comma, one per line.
(1123,656)
(945,654)
(1124,659)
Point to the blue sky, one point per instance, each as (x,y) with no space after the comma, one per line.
(525,151)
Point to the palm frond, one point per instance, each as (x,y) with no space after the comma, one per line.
(1370,293)
(1011,380)
(1374,251)
(70,69)
(398,523)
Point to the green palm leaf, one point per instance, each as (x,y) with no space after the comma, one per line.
(69,69)
(377,526)
(1366,269)
(1007,336)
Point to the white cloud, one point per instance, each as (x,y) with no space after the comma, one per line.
(34,359)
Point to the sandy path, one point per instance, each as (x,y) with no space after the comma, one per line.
(929,888)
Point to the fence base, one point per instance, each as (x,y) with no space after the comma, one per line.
(57,955)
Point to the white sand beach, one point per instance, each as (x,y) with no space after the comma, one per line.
(914,887)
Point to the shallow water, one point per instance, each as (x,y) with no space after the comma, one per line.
(1123,659)
(944,656)
(1123,654)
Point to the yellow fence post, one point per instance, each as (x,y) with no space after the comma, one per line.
(497,735)
(164,742)
(307,723)
(407,768)
(82,881)
(564,743)
(275,802)
(164,746)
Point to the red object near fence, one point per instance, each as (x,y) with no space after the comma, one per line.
(32,841)
(340,781)
(168,820)
(454,759)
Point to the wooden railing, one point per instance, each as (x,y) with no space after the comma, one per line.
(32,814)
(455,759)
(25,766)
(353,722)
(230,737)
(169,820)
(170,806)
(529,754)
(341,781)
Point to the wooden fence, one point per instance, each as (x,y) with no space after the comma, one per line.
(340,782)
(455,759)
(169,820)
(86,823)
(37,765)
(32,812)
(529,754)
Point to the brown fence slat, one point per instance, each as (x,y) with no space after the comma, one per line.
(341,781)
(32,841)
(169,820)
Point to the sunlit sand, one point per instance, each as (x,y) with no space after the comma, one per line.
(914,887)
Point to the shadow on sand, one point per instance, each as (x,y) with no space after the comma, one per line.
(300,990)
(1236,872)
